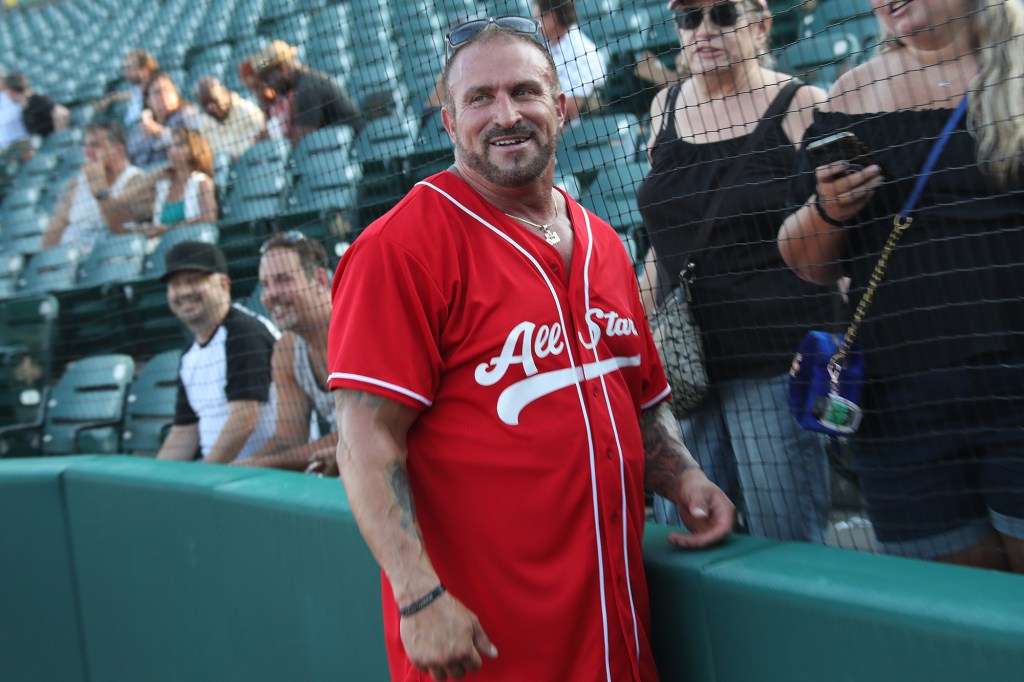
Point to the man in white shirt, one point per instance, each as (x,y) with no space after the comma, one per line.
(580,67)
(230,123)
(12,128)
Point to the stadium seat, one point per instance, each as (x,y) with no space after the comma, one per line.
(92,314)
(821,58)
(154,327)
(36,172)
(27,329)
(245,19)
(383,148)
(149,410)
(259,184)
(595,140)
(50,270)
(433,151)
(292,29)
(85,407)
(23,229)
(11,265)
(322,202)
(59,142)
(214,60)
(612,196)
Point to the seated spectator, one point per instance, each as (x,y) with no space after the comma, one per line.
(139,68)
(277,116)
(150,138)
(314,99)
(40,114)
(12,127)
(581,68)
(107,193)
(225,408)
(297,291)
(184,193)
(230,123)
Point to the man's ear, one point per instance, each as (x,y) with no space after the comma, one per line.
(448,119)
(225,282)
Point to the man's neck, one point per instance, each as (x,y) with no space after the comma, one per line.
(532,201)
(315,335)
(204,331)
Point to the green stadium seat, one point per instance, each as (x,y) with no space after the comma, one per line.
(60,142)
(515,8)
(149,410)
(323,200)
(28,331)
(612,196)
(37,171)
(594,141)
(821,58)
(93,311)
(274,10)
(11,265)
(50,270)
(22,230)
(83,410)
(245,19)
(382,149)
(433,151)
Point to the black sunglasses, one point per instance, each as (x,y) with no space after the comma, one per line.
(723,14)
(463,33)
(289,238)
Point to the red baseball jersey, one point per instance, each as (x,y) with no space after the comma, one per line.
(526,460)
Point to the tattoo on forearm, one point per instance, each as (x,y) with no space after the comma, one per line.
(665,454)
(403,498)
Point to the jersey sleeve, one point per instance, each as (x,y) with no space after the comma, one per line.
(386,324)
(183,413)
(248,349)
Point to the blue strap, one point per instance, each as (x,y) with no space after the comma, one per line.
(933,157)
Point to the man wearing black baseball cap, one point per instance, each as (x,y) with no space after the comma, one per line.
(225,405)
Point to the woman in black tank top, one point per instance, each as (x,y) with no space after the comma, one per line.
(751,310)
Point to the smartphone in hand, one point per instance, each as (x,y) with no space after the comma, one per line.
(843,146)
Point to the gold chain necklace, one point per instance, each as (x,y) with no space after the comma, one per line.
(550,236)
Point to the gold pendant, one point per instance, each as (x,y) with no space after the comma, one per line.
(551,237)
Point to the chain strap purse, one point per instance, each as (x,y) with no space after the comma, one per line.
(673,326)
(827,376)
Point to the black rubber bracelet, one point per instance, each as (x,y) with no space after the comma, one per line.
(423,602)
(825,216)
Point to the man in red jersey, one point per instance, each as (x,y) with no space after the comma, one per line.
(500,401)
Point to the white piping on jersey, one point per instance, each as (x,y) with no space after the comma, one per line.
(623,512)
(382,384)
(657,399)
(579,393)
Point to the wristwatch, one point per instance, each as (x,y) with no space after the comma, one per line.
(102,194)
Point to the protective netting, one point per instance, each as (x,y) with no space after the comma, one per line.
(322,115)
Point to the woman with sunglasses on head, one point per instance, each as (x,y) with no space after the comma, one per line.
(184,192)
(939,451)
(751,310)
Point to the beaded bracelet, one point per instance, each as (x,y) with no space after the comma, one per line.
(423,602)
(825,216)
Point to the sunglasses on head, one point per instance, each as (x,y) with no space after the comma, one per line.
(463,33)
(723,15)
(289,238)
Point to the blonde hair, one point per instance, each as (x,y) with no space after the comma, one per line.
(995,113)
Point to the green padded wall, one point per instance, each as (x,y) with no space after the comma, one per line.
(119,568)
(196,572)
(775,612)
(39,619)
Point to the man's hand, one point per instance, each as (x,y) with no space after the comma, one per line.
(672,472)
(96,176)
(705,510)
(446,640)
(149,124)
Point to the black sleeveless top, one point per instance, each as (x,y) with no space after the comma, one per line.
(752,309)
(952,290)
